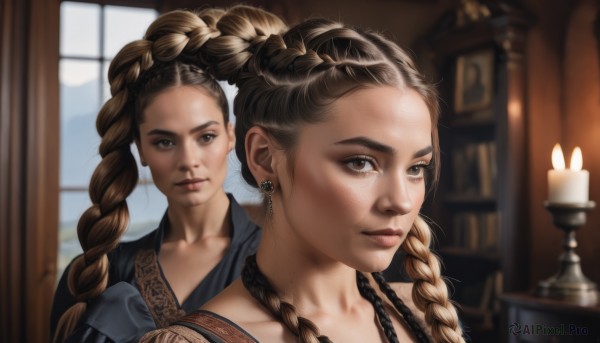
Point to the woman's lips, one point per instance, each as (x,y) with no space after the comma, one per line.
(386,238)
(191,184)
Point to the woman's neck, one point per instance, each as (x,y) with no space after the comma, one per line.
(193,223)
(313,283)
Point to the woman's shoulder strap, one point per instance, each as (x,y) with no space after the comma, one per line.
(215,328)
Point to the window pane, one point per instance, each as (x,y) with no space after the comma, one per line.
(147,205)
(79,29)
(235,183)
(123,25)
(79,95)
(72,205)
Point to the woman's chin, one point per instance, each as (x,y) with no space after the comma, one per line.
(374,263)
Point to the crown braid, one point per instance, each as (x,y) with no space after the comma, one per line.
(430,292)
(260,288)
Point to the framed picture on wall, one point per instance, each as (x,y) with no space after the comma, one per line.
(474,81)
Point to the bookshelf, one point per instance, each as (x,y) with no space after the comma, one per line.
(480,202)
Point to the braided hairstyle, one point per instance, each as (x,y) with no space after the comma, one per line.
(141,70)
(291,79)
(288,78)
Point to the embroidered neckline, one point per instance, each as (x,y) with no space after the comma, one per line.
(157,294)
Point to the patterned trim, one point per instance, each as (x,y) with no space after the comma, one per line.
(215,328)
(154,289)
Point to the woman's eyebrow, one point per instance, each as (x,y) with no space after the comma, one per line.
(170,133)
(423,152)
(368,143)
(374,145)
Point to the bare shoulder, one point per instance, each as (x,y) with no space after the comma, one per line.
(236,304)
(173,334)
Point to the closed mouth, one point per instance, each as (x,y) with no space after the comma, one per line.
(189,181)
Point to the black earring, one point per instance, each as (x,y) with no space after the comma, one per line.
(267,187)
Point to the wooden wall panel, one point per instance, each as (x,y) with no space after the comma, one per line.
(581,120)
(29,167)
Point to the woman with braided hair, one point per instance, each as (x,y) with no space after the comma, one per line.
(338,130)
(177,115)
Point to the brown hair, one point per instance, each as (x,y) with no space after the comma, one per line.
(140,71)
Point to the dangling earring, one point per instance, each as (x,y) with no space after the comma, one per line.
(267,187)
(144,164)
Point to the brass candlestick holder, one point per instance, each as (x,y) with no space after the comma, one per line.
(569,284)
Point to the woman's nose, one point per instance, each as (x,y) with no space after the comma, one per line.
(396,197)
(189,156)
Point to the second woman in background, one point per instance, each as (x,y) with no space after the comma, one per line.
(177,115)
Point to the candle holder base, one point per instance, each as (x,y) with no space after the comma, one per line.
(582,293)
(569,284)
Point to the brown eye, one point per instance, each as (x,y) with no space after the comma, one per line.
(418,170)
(360,165)
(207,138)
(164,143)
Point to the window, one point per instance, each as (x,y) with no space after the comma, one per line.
(90,36)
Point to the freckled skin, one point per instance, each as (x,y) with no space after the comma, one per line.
(186,153)
(333,200)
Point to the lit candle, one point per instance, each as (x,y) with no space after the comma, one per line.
(567,185)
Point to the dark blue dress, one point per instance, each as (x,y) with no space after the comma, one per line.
(139,297)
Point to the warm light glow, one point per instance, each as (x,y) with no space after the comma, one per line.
(576,159)
(558,159)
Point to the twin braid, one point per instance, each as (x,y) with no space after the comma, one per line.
(406,313)
(101,226)
(384,319)
(258,285)
(430,292)
(260,288)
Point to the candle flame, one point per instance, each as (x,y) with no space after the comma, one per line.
(558,159)
(576,159)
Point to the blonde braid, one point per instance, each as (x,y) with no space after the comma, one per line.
(430,292)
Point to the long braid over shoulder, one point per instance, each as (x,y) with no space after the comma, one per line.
(430,292)
(292,78)
(140,70)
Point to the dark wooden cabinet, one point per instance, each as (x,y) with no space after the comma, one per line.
(526,318)
(480,204)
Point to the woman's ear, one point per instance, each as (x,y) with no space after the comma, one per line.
(231,134)
(260,154)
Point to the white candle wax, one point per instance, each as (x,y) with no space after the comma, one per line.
(568,186)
